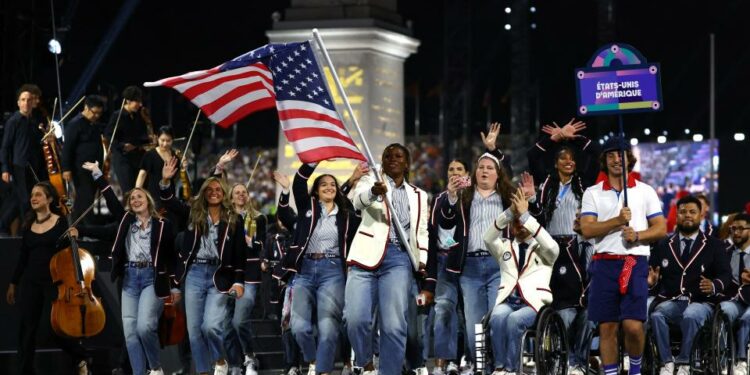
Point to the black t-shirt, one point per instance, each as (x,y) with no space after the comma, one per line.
(36,252)
(152,163)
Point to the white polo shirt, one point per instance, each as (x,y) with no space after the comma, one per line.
(603,202)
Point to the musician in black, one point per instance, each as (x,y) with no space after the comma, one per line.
(31,284)
(21,152)
(83,142)
(128,141)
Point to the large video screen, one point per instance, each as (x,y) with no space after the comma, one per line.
(681,166)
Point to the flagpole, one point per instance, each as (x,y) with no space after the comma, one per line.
(368,154)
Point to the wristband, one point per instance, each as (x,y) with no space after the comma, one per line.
(637,237)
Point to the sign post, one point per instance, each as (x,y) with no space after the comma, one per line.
(618,80)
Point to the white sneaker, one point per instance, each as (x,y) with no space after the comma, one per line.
(221,369)
(83,368)
(421,371)
(346,371)
(451,369)
(294,371)
(251,365)
(311,369)
(683,370)
(499,372)
(667,369)
(740,368)
(576,370)
(372,372)
(235,371)
(156,372)
(467,368)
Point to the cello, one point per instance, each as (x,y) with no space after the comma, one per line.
(76,312)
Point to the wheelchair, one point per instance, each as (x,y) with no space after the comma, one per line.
(712,352)
(547,337)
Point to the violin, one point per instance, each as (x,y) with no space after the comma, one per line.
(77,312)
(146,116)
(187,189)
(172,324)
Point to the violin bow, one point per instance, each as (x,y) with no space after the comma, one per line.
(190,138)
(252,173)
(117,123)
(83,214)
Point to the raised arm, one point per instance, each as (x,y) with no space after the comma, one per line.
(299,186)
(113,204)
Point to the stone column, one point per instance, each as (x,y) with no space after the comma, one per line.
(368,49)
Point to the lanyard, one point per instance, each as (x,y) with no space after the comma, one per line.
(561,194)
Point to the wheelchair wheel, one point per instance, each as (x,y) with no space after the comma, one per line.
(551,351)
(483,354)
(722,345)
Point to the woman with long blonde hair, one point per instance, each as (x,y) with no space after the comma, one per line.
(143,256)
(213,267)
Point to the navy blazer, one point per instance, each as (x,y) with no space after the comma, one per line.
(433,248)
(163,256)
(232,246)
(708,258)
(309,211)
(570,279)
(734,290)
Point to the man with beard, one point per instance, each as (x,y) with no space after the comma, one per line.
(738,290)
(691,269)
(621,235)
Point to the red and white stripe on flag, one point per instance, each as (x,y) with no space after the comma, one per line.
(315,132)
(225,96)
(285,75)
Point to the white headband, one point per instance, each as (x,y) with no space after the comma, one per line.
(489,156)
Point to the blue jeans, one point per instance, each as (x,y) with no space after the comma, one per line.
(690,317)
(416,322)
(579,330)
(206,309)
(318,288)
(479,282)
(388,288)
(446,315)
(738,310)
(509,320)
(238,334)
(141,310)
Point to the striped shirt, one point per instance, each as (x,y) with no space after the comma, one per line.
(566,206)
(210,241)
(400,201)
(484,211)
(325,236)
(138,242)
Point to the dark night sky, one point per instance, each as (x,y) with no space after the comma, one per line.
(164,38)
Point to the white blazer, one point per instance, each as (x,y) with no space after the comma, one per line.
(533,281)
(368,247)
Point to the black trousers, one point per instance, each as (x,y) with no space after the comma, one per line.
(33,296)
(85,191)
(24,179)
(126,167)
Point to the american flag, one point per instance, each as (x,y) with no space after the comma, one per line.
(286,75)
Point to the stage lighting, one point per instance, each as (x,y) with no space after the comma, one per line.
(665,133)
(661,139)
(697,137)
(507,10)
(687,131)
(634,141)
(507,26)
(532,9)
(54,46)
(646,131)
(739,137)
(533,25)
